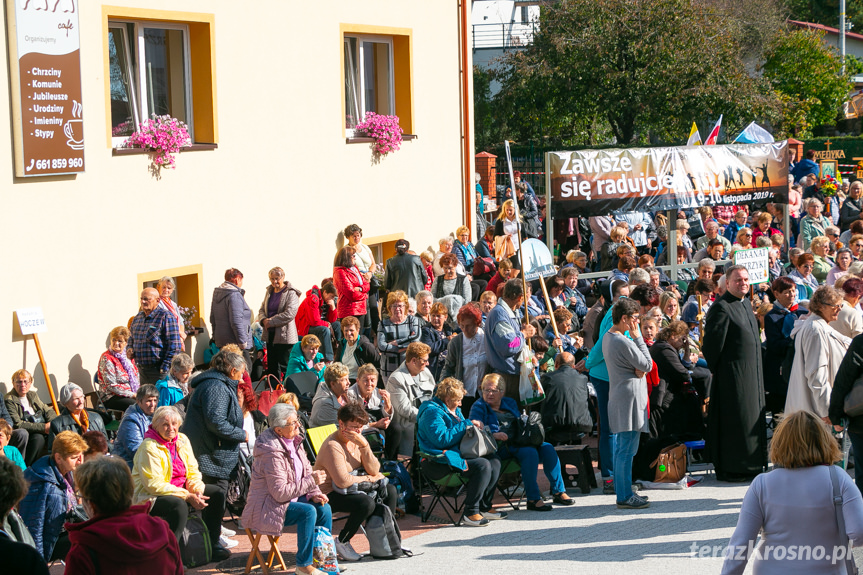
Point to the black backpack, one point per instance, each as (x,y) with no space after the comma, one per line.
(238,485)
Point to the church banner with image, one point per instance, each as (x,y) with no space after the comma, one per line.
(597,182)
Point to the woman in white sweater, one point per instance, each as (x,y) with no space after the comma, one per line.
(792,507)
(818,351)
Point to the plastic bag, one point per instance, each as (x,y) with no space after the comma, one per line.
(529,388)
(324,551)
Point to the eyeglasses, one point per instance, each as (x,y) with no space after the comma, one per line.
(492,390)
(291,423)
(354,428)
(836,307)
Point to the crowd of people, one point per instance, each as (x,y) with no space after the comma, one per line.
(412,353)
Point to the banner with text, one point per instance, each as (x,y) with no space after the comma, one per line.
(45,69)
(596,182)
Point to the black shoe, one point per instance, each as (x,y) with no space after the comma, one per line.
(532,506)
(561,501)
(220,554)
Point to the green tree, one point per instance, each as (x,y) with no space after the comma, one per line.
(645,69)
(826,12)
(807,75)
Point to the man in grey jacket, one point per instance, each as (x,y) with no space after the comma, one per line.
(627,360)
(231,316)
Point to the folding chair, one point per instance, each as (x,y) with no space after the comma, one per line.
(511,465)
(265,566)
(304,385)
(450,486)
(317,436)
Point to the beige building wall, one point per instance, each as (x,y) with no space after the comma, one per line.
(276,192)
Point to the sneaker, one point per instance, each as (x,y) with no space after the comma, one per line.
(346,551)
(493,515)
(228,532)
(475,520)
(227,543)
(634,502)
(219,554)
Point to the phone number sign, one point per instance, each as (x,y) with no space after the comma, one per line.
(45,58)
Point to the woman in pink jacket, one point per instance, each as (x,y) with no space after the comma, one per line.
(284,489)
(352,285)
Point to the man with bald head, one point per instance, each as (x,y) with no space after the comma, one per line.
(155,338)
(564,411)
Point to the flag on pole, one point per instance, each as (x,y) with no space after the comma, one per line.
(714,133)
(694,136)
(754,134)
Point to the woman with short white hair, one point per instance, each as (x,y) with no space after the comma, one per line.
(284,490)
(166,473)
(73,416)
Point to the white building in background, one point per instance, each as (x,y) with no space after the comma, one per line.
(500,26)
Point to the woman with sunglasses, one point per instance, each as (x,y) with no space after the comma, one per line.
(819,350)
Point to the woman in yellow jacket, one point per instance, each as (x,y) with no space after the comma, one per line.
(166,473)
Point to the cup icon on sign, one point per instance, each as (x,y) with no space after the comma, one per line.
(74,130)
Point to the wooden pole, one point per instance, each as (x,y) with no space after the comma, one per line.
(45,373)
(521,264)
(551,315)
(700,318)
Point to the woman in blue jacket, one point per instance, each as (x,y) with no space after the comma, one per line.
(135,423)
(52,494)
(440,429)
(500,415)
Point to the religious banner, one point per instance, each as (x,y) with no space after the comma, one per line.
(536,260)
(597,182)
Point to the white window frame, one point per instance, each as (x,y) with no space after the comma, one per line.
(362,38)
(138,91)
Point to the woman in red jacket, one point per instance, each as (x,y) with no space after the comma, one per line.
(352,285)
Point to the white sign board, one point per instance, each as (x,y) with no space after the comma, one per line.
(31,320)
(756,262)
(536,260)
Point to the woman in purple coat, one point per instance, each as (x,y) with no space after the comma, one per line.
(284,489)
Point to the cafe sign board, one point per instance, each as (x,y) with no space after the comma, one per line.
(45,69)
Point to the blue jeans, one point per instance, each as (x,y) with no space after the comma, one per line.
(625,448)
(606,440)
(529,458)
(306,516)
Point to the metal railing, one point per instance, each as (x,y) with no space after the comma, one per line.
(508,35)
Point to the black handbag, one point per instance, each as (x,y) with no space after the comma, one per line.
(531,433)
(696,226)
(34,418)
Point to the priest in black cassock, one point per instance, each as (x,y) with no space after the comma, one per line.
(736,430)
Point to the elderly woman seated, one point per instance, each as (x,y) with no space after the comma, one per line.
(437,336)
(499,414)
(355,349)
(347,458)
(331,395)
(409,386)
(166,473)
(29,415)
(441,427)
(451,288)
(284,490)
(375,401)
(174,387)
(52,494)
(305,357)
(118,375)
(135,423)
(119,537)
(397,332)
(73,416)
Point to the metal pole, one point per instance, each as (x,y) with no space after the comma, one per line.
(842,33)
(672,244)
(549,223)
